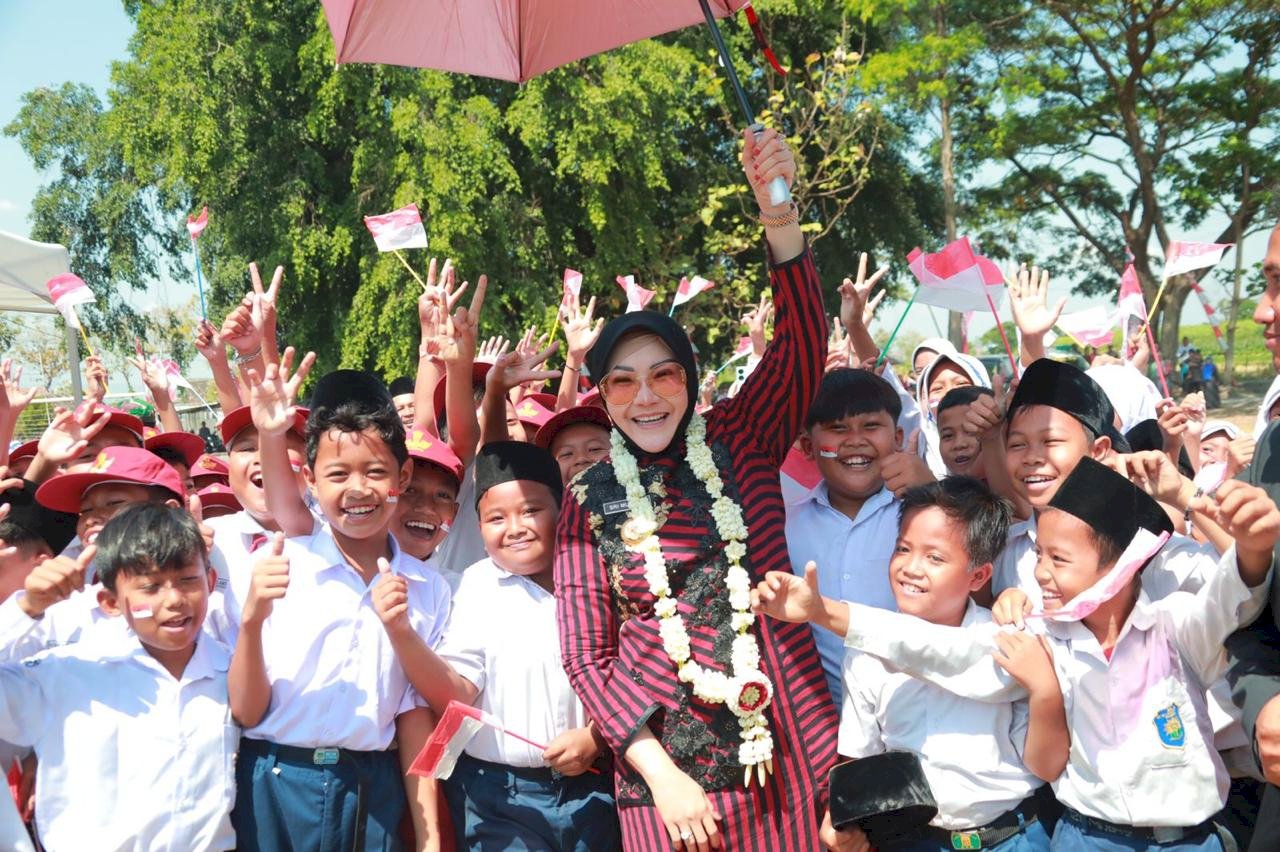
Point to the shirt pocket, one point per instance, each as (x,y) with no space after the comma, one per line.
(1168,726)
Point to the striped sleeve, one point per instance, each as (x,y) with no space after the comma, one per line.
(589,634)
(775,398)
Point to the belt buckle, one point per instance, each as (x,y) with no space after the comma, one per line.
(325,757)
(966,840)
(1168,834)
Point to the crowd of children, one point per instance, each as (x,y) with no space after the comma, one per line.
(685,619)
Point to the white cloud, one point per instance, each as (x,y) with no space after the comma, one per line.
(7,206)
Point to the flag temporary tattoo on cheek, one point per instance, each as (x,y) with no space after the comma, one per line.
(393,496)
(828,452)
(141,612)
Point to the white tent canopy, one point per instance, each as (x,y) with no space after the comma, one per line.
(25,266)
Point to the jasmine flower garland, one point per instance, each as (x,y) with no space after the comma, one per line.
(745,688)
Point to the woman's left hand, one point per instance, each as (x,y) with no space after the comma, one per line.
(764,158)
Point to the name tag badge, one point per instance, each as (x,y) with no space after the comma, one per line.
(615,507)
(325,757)
(1168,722)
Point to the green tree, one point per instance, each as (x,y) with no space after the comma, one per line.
(1118,124)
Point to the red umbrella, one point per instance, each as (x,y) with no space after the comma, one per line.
(517,39)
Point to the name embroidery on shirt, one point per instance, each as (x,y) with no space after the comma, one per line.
(1168,722)
(614,507)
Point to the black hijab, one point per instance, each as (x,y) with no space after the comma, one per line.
(669,332)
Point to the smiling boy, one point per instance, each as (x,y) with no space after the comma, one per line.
(152,766)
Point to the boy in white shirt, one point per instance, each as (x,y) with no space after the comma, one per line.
(133,731)
(314,678)
(847,524)
(981,759)
(502,653)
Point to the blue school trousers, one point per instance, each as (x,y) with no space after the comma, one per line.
(291,799)
(1071,836)
(497,807)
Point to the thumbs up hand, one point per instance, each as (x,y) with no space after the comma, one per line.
(986,414)
(54,580)
(905,469)
(786,597)
(270,582)
(391,600)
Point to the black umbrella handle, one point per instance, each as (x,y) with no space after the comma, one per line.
(779,194)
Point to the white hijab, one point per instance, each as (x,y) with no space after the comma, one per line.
(1132,394)
(929,447)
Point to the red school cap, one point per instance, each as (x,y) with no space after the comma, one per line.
(578,414)
(125,465)
(221,495)
(237,420)
(428,448)
(189,446)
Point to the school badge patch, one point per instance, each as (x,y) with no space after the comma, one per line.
(1168,722)
(966,840)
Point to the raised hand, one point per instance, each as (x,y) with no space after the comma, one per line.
(786,597)
(238,330)
(268,584)
(95,373)
(153,375)
(1029,300)
(55,580)
(1194,407)
(262,310)
(1155,473)
(514,369)
(905,469)
(272,396)
(764,159)
(757,320)
(13,397)
(985,415)
(1239,455)
(463,326)
(492,348)
(70,432)
(391,599)
(580,330)
(209,342)
(1246,513)
(856,306)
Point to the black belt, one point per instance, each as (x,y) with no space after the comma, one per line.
(998,830)
(321,758)
(1151,834)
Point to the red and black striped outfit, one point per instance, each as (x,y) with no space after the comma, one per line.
(609,633)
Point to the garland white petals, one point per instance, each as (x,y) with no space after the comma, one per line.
(745,688)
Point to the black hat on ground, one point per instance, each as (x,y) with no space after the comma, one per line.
(56,528)
(509,461)
(1113,506)
(349,386)
(1069,389)
(886,795)
(401,386)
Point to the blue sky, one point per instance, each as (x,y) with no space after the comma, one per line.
(48,42)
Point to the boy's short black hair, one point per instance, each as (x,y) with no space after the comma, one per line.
(145,538)
(971,503)
(16,535)
(845,392)
(357,417)
(963,396)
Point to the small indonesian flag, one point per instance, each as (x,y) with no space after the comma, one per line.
(1092,326)
(637,296)
(399,229)
(956,278)
(1184,257)
(743,349)
(196,224)
(173,375)
(67,291)
(457,726)
(691,287)
(572,284)
(1131,303)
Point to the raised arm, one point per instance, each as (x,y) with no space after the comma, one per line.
(776,396)
(581,330)
(209,343)
(271,403)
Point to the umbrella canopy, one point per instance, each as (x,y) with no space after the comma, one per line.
(505,39)
(25,266)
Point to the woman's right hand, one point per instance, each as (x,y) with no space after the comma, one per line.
(687,813)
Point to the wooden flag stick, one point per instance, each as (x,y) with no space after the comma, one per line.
(416,276)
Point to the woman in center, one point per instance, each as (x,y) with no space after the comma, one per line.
(723,724)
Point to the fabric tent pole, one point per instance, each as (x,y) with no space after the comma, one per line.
(73,356)
(778,191)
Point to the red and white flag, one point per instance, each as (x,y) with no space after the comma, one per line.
(399,229)
(1092,326)
(197,224)
(1132,302)
(572,284)
(637,296)
(67,291)
(457,726)
(1184,257)
(956,278)
(691,287)
(173,375)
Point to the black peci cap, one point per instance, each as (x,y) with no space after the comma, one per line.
(511,461)
(1113,506)
(1069,389)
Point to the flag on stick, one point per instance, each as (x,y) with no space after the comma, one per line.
(956,278)
(67,291)
(637,296)
(1185,257)
(688,289)
(399,229)
(572,285)
(197,224)
(195,227)
(1090,327)
(1132,314)
(742,350)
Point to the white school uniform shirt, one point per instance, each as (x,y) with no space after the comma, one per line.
(463,546)
(232,556)
(503,637)
(971,751)
(335,680)
(130,758)
(65,623)
(1141,741)
(852,557)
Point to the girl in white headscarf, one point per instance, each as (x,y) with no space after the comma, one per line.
(950,369)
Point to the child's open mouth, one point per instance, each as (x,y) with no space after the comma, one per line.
(857,462)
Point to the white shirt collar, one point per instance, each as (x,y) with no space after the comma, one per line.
(323,545)
(870,506)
